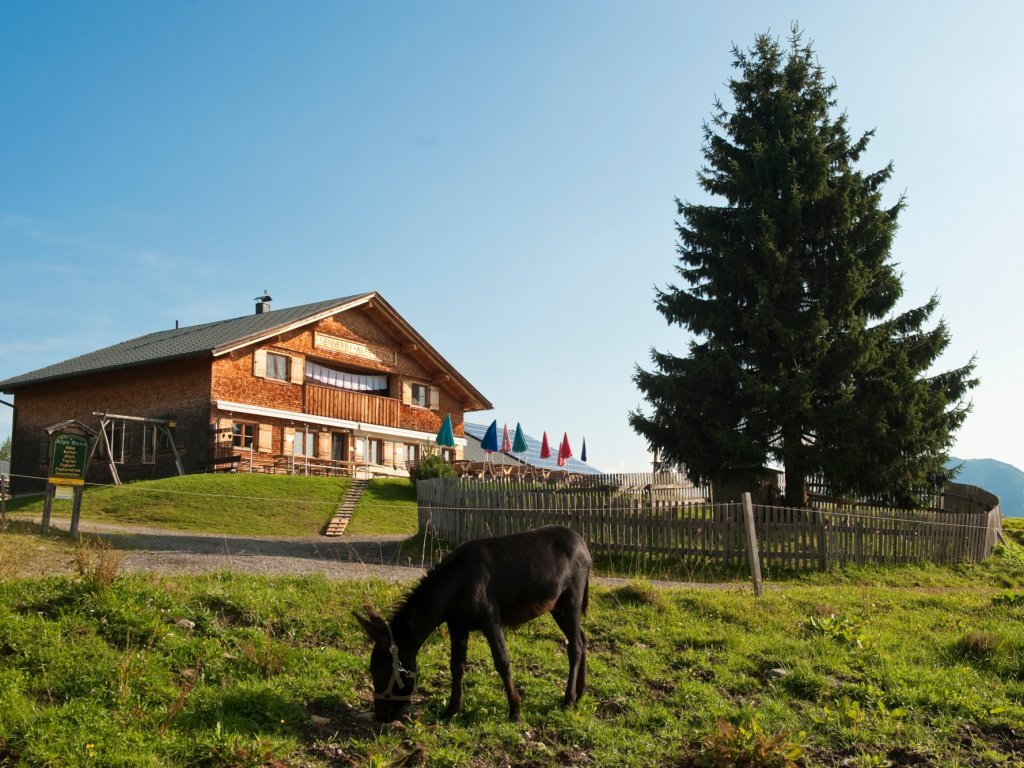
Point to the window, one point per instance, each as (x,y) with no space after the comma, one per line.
(420,394)
(375,451)
(357,382)
(149,436)
(448,454)
(154,440)
(177,433)
(117,437)
(242,435)
(412,454)
(277,367)
(305,443)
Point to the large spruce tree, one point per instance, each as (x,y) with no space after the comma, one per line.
(796,354)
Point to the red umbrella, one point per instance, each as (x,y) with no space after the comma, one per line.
(545,451)
(564,451)
(506,444)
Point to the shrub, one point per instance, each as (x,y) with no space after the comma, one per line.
(97,562)
(431,467)
(747,746)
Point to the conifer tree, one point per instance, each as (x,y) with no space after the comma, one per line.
(797,355)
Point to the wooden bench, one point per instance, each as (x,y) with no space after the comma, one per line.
(227,463)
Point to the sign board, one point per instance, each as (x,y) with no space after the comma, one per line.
(69,459)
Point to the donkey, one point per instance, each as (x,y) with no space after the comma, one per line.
(482,585)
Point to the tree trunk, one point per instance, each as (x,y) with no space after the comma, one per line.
(796,472)
(796,486)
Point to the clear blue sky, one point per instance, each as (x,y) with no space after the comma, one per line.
(503,173)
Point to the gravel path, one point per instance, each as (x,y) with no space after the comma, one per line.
(158,550)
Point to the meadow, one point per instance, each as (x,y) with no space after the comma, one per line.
(892,666)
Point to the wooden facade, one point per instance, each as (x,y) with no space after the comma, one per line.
(345,387)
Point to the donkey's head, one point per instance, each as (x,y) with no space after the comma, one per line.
(393,682)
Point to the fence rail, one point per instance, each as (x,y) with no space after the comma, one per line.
(458,510)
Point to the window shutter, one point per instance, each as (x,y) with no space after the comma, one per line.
(289,441)
(389,453)
(266,433)
(259,363)
(360,444)
(224,431)
(324,448)
(406,393)
(298,371)
(435,398)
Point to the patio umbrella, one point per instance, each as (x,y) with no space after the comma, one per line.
(519,443)
(564,451)
(506,444)
(519,446)
(490,441)
(583,453)
(545,450)
(445,436)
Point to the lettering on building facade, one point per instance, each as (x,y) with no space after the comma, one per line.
(356,349)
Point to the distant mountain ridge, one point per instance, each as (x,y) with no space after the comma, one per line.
(1004,480)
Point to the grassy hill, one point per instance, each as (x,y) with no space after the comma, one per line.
(243,504)
(238,504)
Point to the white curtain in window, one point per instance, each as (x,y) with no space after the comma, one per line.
(342,380)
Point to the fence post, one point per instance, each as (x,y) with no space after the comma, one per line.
(752,553)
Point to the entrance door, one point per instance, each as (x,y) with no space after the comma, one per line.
(339,446)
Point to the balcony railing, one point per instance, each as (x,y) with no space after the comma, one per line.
(353,406)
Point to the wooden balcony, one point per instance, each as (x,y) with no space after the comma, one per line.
(354,406)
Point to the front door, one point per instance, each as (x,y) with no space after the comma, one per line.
(339,446)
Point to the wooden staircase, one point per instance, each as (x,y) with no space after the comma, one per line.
(344,512)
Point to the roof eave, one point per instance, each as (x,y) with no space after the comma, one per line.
(11,389)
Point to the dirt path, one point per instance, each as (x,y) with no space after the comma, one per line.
(157,550)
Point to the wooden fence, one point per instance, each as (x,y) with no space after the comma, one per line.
(457,510)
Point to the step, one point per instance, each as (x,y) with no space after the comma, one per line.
(338,523)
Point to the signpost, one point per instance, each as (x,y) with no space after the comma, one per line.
(71,447)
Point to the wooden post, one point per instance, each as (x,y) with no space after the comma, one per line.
(752,554)
(47,508)
(76,511)
(3,502)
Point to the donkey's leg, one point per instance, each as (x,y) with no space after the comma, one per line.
(496,639)
(460,639)
(568,619)
(581,676)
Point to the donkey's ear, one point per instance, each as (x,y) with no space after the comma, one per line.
(374,626)
(375,617)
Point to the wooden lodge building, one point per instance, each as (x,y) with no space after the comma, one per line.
(344,386)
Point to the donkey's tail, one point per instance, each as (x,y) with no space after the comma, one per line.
(586,596)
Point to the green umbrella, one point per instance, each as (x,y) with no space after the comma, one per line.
(446,437)
(519,444)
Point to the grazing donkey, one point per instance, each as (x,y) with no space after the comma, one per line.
(482,585)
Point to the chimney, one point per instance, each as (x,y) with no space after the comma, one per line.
(262,303)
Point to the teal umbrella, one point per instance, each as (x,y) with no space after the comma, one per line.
(519,443)
(445,436)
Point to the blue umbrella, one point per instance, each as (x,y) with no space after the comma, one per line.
(583,453)
(490,441)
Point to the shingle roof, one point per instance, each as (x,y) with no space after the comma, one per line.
(174,344)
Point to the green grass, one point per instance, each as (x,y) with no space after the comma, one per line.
(234,670)
(388,506)
(241,504)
